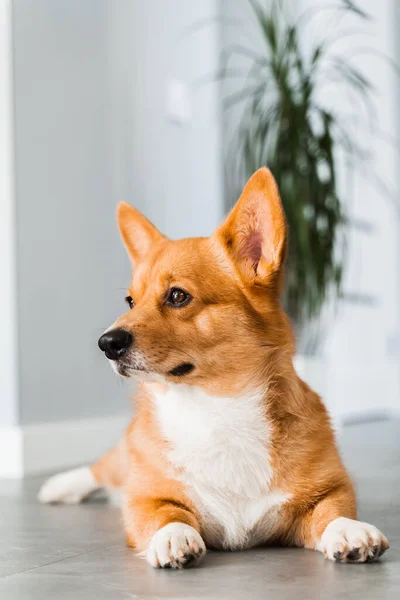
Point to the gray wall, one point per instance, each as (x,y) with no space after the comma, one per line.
(71,266)
(238,29)
(175,172)
(91,129)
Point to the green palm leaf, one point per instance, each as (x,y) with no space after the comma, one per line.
(283,126)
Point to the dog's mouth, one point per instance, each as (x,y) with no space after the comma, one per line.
(127,370)
(181,370)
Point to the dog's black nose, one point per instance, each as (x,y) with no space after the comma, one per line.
(115,343)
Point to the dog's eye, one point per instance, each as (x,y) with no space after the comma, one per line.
(177,297)
(129,301)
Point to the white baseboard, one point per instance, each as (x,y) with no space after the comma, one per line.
(11,452)
(35,449)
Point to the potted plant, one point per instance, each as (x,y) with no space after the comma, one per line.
(285,125)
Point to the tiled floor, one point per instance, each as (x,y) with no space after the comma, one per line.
(77,552)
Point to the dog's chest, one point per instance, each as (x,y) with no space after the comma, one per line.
(219,450)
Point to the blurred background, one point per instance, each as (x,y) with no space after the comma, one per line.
(170,105)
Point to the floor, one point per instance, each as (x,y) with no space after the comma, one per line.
(77,552)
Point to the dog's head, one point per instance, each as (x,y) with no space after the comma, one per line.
(205,311)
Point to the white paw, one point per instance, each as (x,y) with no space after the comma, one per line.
(70,487)
(175,546)
(346,540)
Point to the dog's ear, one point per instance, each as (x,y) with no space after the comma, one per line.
(137,233)
(254,233)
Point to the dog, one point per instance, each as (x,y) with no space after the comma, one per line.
(229,448)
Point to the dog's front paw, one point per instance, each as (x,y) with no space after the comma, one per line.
(175,546)
(349,541)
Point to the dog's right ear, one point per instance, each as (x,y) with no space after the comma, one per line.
(254,233)
(137,233)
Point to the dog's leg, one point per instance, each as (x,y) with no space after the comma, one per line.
(332,529)
(166,531)
(71,487)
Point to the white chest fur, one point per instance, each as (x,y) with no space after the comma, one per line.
(219,450)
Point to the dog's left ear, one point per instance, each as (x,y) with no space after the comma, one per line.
(254,233)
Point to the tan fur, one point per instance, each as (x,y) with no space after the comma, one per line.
(239,338)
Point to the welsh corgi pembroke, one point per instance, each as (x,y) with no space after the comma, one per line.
(228,448)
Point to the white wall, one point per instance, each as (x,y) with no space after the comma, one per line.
(174,172)
(362,351)
(8,322)
(238,28)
